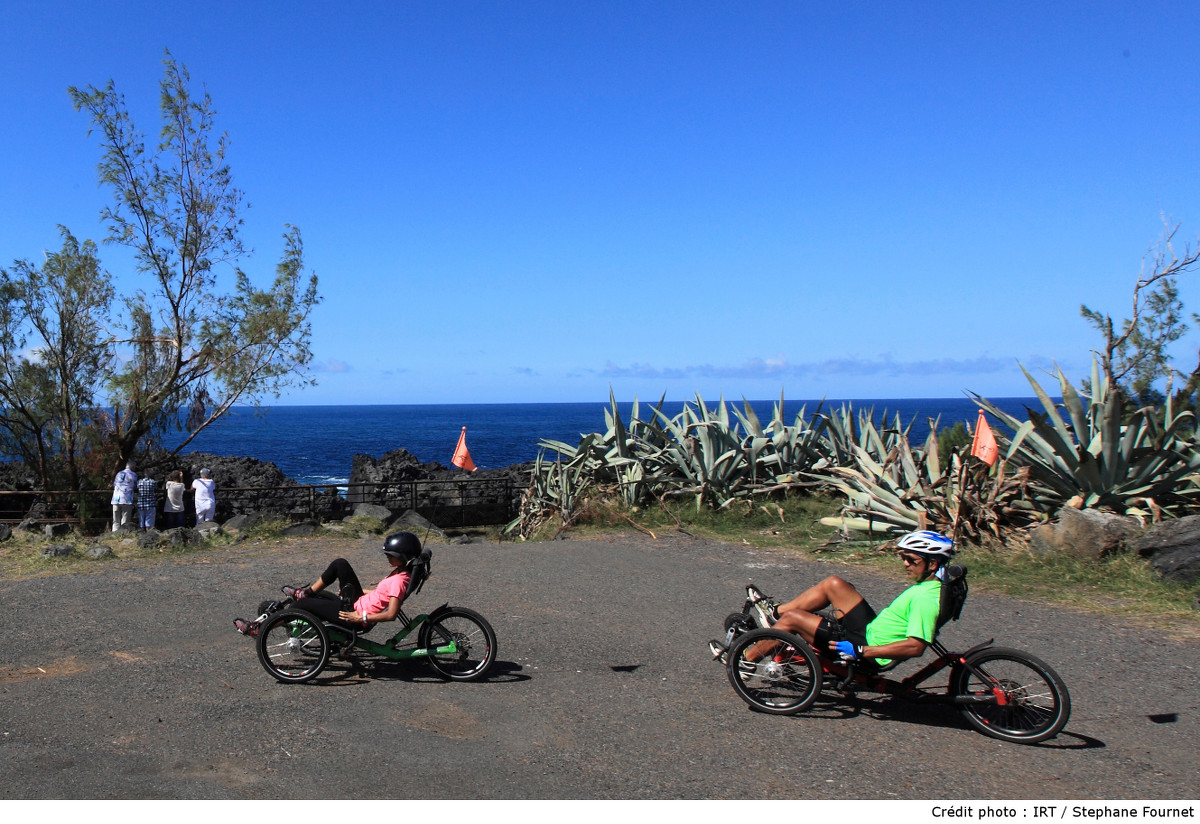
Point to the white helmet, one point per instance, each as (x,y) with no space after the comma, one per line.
(928,545)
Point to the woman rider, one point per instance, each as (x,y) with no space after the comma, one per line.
(353,607)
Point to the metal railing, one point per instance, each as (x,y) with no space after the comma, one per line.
(446,503)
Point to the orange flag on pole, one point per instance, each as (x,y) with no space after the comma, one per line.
(984,446)
(462,456)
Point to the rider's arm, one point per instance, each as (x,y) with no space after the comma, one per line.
(907,648)
(388,614)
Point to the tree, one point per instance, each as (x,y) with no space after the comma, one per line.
(54,352)
(1137,360)
(188,351)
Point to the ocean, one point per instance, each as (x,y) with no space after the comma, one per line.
(316,444)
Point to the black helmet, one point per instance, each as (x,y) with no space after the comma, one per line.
(403,545)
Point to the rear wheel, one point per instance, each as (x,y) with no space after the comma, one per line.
(293,646)
(782,678)
(474,643)
(1031,701)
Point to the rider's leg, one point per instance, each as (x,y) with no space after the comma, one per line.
(798,615)
(831,591)
(797,622)
(339,570)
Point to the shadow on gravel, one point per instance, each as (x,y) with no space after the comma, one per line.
(343,673)
(887,709)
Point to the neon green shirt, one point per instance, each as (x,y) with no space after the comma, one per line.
(913,614)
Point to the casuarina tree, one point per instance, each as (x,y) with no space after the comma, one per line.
(54,354)
(188,343)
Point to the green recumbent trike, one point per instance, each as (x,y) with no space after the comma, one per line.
(294,646)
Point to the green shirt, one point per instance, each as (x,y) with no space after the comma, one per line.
(913,614)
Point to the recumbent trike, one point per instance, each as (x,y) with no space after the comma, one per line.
(1004,693)
(458,643)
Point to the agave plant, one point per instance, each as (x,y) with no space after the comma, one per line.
(889,486)
(1094,458)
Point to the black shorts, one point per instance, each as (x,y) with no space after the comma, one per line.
(851,626)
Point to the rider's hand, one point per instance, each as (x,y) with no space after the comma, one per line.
(847,650)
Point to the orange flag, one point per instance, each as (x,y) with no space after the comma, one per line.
(462,456)
(984,446)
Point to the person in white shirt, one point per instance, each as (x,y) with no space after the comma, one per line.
(206,496)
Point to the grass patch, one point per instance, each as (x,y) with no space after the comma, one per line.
(1124,585)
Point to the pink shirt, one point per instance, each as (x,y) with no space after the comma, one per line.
(393,586)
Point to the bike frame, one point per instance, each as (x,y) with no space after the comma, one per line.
(341,636)
(907,688)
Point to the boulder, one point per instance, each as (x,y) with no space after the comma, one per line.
(53,531)
(414,522)
(380,513)
(243,523)
(5,532)
(99,551)
(57,551)
(1088,534)
(183,536)
(400,481)
(205,527)
(149,539)
(299,529)
(1173,548)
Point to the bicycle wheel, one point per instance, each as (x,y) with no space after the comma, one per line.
(473,638)
(783,679)
(1032,702)
(740,620)
(293,646)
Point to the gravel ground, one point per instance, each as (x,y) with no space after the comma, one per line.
(130,683)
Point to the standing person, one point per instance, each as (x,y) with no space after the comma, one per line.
(147,502)
(173,506)
(124,486)
(206,496)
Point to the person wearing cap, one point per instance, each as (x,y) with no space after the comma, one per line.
(206,497)
(352,607)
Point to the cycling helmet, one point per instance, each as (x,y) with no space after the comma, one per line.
(403,545)
(927,544)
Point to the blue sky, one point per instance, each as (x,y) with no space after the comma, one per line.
(535,201)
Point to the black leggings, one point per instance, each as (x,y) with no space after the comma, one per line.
(324,604)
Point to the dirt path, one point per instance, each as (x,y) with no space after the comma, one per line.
(132,684)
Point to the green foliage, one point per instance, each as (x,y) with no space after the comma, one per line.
(707,455)
(188,349)
(1142,466)
(952,440)
(54,353)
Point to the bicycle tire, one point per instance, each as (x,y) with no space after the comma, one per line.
(471,634)
(785,681)
(1036,703)
(293,646)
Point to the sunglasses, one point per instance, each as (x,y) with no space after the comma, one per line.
(911,560)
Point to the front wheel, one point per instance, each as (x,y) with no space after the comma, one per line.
(473,639)
(293,646)
(774,671)
(1031,702)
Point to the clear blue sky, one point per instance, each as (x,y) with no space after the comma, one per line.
(535,201)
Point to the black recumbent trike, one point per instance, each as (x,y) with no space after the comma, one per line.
(1004,693)
(294,645)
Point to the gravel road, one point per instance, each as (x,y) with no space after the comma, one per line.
(130,683)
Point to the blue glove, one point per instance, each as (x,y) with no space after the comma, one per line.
(847,651)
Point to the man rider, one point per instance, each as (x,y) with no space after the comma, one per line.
(902,630)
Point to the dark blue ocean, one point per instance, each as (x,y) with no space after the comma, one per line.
(315,444)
